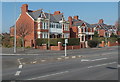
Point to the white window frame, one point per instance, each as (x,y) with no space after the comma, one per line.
(38,25)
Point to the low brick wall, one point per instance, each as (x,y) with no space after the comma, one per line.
(54,48)
(43,47)
(60,47)
(113,44)
(100,45)
(68,47)
(72,47)
(109,44)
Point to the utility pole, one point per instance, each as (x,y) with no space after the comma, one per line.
(87,34)
(15,31)
(49,30)
(106,37)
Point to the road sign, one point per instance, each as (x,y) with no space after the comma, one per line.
(66,40)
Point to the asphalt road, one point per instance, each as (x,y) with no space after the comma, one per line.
(97,65)
(10,61)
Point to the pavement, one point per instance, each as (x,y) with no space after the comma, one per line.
(87,64)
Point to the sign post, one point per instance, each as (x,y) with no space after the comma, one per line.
(66,41)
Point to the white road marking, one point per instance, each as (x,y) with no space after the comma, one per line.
(79,56)
(59,58)
(93,60)
(20,66)
(99,59)
(102,64)
(17,73)
(19,61)
(105,53)
(34,62)
(43,60)
(84,60)
(66,57)
(48,75)
(73,56)
(24,63)
(118,66)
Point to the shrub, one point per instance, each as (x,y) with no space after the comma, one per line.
(113,35)
(28,47)
(54,41)
(41,41)
(92,43)
(99,39)
(119,40)
(73,41)
(112,39)
(96,34)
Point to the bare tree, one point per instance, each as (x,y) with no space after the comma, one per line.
(22,31)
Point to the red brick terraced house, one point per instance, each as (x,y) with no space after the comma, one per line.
(47,25)
(104,29)
(42,25)
(80,29)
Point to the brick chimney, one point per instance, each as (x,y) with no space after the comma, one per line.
(76,17)
(70,20)
(57,13)
(24,8)
(101,21)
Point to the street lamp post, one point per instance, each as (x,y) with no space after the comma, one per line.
(15,39)
(15,32)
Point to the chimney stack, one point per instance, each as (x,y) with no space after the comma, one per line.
(76,17)
(57,13)
(24,8)
(101,21)
(70,20)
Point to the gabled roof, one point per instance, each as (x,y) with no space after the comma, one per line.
(80,22)
(35,14)
(108,28)
(77,23)
(94,25)
(53,18)
(12,26)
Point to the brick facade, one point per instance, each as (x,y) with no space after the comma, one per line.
(41,26)
(38,25)
(26,20)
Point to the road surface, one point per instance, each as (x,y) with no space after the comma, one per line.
(97,65)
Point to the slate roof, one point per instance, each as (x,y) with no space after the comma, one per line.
(53,18)
(94,25)
(35,14)
(80,22)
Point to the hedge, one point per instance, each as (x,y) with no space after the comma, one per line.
(73,41)
(39,42)
(112,39)
(100,39)
(92,43)
(54,41)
